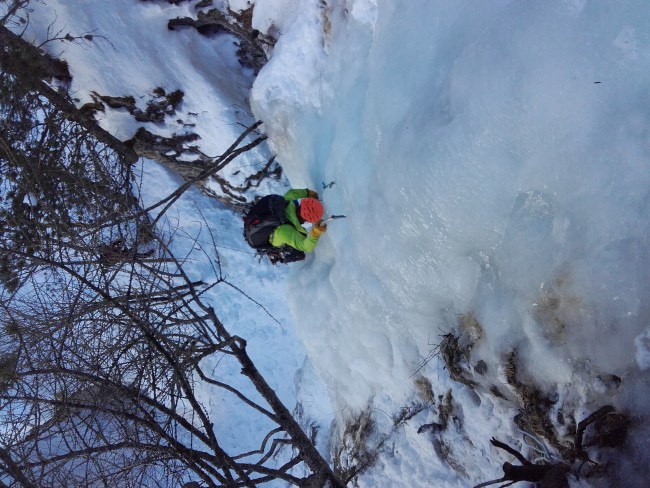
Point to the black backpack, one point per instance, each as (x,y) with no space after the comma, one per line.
(262,219)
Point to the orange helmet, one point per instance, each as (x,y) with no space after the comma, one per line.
(311,210)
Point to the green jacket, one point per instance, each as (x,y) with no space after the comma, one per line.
(293,234)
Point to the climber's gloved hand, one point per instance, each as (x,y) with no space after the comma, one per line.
(312,194)
(318,228)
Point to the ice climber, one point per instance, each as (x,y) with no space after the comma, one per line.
(273,225)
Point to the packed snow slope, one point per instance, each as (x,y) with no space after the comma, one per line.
(133,54)
(493,160)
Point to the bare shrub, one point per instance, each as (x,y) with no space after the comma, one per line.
(352,453)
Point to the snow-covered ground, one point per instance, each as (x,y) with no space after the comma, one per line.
(492,159)
(133,53)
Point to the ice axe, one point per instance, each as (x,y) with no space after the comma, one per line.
(333,217)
